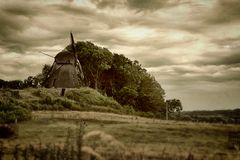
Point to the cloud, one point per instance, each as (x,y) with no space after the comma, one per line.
(186,45)
(181,75)
(138,5)
(108,3)
(147,5)
(20,8)
(227,57)
(224,11)
(73,9)
(15,18)
(25,25)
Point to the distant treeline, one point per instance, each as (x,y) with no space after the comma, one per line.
(216,116)
(14,84)
(111,74)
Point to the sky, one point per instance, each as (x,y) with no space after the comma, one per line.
(191,47)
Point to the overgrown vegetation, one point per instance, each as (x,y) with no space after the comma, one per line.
(11,111)
(83,99)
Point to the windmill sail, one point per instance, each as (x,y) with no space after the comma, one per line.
(65,70)
(77,62)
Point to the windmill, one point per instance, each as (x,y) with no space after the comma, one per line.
(66,70)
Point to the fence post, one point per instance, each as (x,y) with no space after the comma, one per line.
(166,111)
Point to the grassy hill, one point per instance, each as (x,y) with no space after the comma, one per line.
(110,133)
(83,99)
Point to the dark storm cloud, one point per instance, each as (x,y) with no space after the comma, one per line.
(229,42)
(228,59)
(108,3)
(74,9)
(20,8)
(224,11)
(220,58)
(191,74)
(147,4)
(138,5)
(15,17)
(9,28)
(20,18)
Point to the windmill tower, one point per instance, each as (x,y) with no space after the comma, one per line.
(66,71)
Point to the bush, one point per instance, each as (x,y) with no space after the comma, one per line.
(127,96)
(15,94)
(37,93)
(146,114)
(128,109)
(47,100)
(90,96)
(64,103)
(10,112)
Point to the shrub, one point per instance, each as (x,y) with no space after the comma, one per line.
(15,94)
(37,93)
(10,112)
(47,100)
(145,114)
(127,96)
(128,109)
(64,103)
(90,96)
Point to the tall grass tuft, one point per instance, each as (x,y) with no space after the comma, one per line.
(67,151)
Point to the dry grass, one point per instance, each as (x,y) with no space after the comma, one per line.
(131,134)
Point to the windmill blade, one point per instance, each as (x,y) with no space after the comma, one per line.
(73,44)
(80,70)
(46,54)
(77,62)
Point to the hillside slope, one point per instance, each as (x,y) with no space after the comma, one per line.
(82,99)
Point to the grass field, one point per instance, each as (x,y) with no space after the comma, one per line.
(152,138)
(109,132)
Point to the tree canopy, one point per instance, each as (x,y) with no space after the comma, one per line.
(119,77)
(174,105)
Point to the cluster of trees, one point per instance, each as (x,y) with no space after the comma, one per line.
(111,74)
(174,106)
(117,76)
(31,81)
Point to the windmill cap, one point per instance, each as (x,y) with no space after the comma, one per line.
(65,57)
